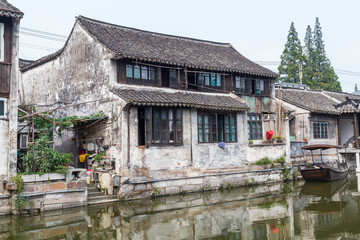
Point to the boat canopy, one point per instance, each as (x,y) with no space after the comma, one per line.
(320,146)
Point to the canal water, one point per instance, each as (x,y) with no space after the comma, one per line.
(295,210)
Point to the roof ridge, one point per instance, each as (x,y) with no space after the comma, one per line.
(156,33)
(334,99)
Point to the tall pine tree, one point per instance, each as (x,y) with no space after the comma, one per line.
(356,87)
(291,57)
(324,76)
(309,56)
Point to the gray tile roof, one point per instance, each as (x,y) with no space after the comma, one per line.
(174,50)
(180,98)
(312,100)
(24,62)
(8,10)
(321,101)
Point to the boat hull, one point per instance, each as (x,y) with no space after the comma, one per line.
(322,174)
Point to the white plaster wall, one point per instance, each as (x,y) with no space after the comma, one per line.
(332,129)
(80,77)
(346,129)
(209,155)
(155,157)
(4,146)
(270,151)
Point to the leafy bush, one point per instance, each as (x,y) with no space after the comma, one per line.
(263,161)
(41,158)
(280,160)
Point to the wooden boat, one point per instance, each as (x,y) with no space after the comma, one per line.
(323,172)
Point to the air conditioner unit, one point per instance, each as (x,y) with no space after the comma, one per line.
(23,141)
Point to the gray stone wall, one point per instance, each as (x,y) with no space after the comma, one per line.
(201,182)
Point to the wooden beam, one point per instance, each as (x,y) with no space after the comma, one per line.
(356,132)
(338,130)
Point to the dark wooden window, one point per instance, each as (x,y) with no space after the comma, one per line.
(212,80)
(254,126)
(239,85)
(252,86)
(140,72)
(173,78)
(216,128)
(320,130)
(160,126)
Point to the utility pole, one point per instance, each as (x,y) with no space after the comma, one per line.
(300,70)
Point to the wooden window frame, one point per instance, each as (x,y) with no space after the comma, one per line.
(144,80)
(150,129)
(4,103)
(203,82)
(214,127)
(320,130)
(257,122)
(252,86)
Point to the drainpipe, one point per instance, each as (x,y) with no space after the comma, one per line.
(356,132)
(128,138)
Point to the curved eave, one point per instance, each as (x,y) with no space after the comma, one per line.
(11,13)
(325,112)
(187,105)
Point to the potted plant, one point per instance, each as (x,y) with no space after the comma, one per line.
(278,139)
(251,142)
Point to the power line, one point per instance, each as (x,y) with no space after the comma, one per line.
(43,32)
(38,47)
(338,71)
(43,36)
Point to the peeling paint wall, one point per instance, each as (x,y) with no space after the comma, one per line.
(4,146)
(270,151)
(332,129)
(209,155)
(190,153)
(8,126)
(80,77)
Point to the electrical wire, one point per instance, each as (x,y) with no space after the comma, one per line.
(43,33)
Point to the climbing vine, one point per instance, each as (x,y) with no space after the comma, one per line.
(44,121)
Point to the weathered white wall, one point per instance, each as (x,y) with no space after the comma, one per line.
(190,153)
(346,129)
(80,76)
(210,155)
(332,129)
(4,146)
(271,151)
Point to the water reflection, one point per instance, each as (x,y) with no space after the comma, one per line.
(281,211)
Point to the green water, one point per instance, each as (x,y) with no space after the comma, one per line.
(279,211)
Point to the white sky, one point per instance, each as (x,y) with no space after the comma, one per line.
(256,28)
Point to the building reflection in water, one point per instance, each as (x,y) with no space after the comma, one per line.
(282,211)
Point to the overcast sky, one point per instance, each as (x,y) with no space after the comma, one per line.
(256,28)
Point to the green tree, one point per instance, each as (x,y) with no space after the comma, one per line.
(309,58)
(291,57)
(356,87)
(324,76)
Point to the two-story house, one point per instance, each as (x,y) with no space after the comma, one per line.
(9,70)
(174,106)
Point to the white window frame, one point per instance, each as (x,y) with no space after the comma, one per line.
(2,41)
(23,141)
(4,101)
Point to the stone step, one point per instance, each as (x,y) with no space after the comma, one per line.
(96,198)
(95,194)
(93,189)
(93,202)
